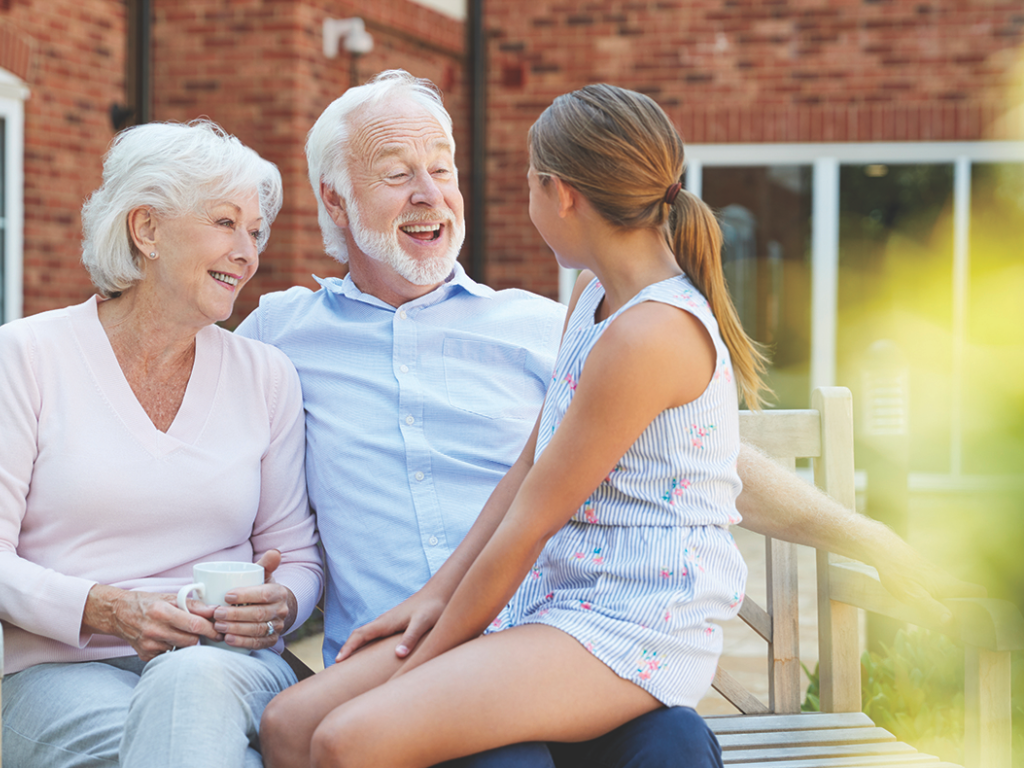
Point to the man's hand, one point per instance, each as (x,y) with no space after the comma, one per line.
(916,581)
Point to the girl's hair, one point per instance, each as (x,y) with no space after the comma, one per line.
(620,150)
(175,169)
(327,145)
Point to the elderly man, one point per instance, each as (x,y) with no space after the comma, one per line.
(420,388)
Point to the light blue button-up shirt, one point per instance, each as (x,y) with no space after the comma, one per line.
(413,415)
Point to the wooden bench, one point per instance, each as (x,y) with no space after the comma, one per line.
(776,733)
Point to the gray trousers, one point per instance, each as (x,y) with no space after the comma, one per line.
(196,706)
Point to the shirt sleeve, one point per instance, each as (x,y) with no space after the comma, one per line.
(284,520)
(37,599)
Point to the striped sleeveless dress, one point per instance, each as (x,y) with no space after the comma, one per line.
(642,570)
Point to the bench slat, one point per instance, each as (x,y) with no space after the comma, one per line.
(745,756)
(885,761)
(806,721)
(822,737)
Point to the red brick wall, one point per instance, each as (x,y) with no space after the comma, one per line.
(71,55)
(254,66)
(743,71)
(257,68)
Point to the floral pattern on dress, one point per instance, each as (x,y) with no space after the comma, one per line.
(648,664)
(697,434)
(676,489)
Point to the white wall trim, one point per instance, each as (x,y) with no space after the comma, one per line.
(861,152)
(13,93)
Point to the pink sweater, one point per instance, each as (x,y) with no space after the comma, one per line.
(91,492)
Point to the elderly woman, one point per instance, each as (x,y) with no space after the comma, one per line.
(139,439)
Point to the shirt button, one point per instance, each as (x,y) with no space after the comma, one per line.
(433,541)
(419,475)
(402,314)
(404,369)
(410,420)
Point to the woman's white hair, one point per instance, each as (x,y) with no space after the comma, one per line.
(175,169)
(327,143)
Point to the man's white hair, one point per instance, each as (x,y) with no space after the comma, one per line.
(328,142)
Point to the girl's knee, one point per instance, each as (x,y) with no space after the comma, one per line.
(282,740)
(344,740)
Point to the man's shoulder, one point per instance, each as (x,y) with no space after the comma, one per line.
(519,301)
(280,310)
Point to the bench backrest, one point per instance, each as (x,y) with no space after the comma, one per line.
(824,434)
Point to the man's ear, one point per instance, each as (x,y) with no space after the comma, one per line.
(142,226)
(334,203)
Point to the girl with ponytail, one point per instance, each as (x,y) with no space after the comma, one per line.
(587,592)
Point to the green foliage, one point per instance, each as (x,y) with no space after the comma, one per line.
(916,692)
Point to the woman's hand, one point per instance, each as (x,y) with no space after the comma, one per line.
(414,617)
(252,611)
(151,623)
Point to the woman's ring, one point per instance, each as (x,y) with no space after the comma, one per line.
(270,629)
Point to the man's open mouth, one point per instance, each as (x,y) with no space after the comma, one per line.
(425,232)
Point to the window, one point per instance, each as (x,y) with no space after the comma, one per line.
(833,247)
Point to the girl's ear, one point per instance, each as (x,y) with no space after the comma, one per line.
(568,197)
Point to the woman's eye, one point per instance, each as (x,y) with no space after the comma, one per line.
(226,223)
(256,235)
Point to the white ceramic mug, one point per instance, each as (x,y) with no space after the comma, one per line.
(213,581)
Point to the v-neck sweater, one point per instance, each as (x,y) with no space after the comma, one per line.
(92,492)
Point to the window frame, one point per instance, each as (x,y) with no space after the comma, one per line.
(13,94)
(825,160)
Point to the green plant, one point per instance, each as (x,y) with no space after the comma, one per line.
(915,690)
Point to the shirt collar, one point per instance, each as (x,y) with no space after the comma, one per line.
(457,280)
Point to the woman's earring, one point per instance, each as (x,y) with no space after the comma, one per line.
(152,254)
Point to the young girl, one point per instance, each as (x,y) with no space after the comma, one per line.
(617,512)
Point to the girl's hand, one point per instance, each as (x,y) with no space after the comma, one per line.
(151,623)
(251,612)
(413,617)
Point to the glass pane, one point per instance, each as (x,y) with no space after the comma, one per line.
(765,214)
(895,285)
(993,403)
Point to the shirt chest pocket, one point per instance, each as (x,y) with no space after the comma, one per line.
(490,379)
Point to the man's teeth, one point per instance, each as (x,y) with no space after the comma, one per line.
(229,279)
(421,228)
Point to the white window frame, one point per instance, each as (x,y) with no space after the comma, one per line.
(13,94)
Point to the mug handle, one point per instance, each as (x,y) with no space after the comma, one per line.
(183,594)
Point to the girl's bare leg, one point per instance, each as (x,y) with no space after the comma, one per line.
(531,683)
(290,719)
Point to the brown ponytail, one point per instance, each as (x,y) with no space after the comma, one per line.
(696,240)
(620,150)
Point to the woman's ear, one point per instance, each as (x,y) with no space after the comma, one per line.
(142,228)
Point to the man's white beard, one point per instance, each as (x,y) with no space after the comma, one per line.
(385,248)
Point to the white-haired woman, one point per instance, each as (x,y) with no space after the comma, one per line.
(138,440)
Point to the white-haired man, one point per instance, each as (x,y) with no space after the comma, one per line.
(420,388)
